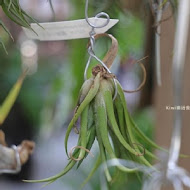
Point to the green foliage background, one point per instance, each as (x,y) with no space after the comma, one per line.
(42,91)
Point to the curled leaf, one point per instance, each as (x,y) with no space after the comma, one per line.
(112,52)
(144,78)
(79,158)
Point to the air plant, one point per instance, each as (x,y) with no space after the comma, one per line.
(7,31)
(13,10)
(104,117)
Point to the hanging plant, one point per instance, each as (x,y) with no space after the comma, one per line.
(104,117)
(13,11)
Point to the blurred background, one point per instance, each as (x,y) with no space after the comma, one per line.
(49,94)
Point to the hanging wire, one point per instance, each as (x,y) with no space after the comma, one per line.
(18,163)
(99,15)
(170,172)
(92,42)
(158,7)
(180,49)
(157,44)
(92,39)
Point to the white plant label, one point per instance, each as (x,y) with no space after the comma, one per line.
(67,30)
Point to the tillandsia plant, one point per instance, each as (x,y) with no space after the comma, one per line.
(13,10)
(104,117)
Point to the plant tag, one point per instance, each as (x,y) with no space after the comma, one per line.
(67,30)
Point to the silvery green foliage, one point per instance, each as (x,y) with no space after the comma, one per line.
(13,11)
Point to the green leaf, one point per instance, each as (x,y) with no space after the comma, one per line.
(10,99)
(52,9)
(13,10)
(3,45)
(6,29)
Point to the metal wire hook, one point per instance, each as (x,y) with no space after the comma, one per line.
(92,42)
(92,33)
(92,39)
(99,15)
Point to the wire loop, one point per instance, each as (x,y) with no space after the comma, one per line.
(92,42)
(92,39)
(99,15)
